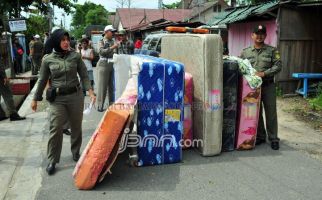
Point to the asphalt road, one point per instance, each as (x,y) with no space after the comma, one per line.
(258,174)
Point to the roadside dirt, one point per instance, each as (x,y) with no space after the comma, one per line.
(299,126)
(301,109)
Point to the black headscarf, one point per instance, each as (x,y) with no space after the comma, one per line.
(53,41)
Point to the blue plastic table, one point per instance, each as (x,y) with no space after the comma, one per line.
(305,76)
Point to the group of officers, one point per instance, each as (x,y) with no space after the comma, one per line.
(63,67)
(108,46)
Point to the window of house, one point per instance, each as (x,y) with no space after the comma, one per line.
(217,8)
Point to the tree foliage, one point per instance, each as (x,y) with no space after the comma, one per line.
(171,6)
(87,14)
(36,25)
(98,16)
(13,8)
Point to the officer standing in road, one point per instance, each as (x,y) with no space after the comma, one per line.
(48,49)
(6,94)
(266,60)
(36,54)
(126,45)
(64,94)
(105,71)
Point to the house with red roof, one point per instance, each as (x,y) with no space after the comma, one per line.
(128,18)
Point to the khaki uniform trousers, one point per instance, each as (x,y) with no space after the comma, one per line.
(268,102)
(36,63)
(6,94)
(105,84)
(65,108)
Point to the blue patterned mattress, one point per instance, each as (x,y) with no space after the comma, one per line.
(160,115)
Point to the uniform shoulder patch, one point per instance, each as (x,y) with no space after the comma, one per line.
(277,54)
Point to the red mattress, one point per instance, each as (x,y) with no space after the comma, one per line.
(102,148)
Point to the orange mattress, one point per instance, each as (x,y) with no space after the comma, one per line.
(101,149)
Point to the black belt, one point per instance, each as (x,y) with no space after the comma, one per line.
(67,90)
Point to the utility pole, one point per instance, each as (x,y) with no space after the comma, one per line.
(160,4)
(130,19)
(199,9)
(10,59)
(63,14)
(182,10)
(121,2)
(49,14)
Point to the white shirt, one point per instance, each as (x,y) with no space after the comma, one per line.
(87,62)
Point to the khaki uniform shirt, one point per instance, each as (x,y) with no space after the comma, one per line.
(126,47)
(62,70)
(105,50)
(266,60)
(37,48)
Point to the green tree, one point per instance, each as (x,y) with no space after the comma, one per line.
(36,24)
(98,16)
(79,14)
(13,8)
(171,6)
(87,14)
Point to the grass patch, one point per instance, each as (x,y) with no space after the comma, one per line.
(316,103)
(279,91)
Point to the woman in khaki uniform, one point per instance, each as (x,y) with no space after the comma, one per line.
(62,67)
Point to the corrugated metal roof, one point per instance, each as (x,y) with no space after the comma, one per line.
(217,18)
(241,13)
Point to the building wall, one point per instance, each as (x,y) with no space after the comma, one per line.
(239,35)
(117,20)
(300,44)
(205,16)
(120,26)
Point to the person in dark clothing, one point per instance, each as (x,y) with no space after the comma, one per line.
(18,54)
(267,62)
(6,94)
(36,54)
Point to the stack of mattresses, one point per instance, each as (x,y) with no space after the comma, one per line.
(188,103)
(248,115)
(230,84)
(121,67)
(202,57)
(160,111)
(103,147)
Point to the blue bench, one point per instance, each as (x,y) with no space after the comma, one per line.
(305,76)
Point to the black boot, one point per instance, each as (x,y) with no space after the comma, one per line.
(260,141)
(16,117)
(275,145)
(51,168)
(3,118)
(100,109)
(66,132)
(76,157)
